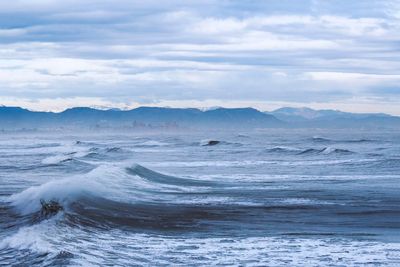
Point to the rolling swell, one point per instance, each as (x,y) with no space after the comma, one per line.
(164,179)
(105,213)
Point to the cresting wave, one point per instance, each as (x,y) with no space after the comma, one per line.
(326,151)
(78,154)
(309,151)
(131,196)
(124,195)
(129,183)
(135,196)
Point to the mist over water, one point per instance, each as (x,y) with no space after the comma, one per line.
(259,198)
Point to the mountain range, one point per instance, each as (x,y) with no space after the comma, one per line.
(17,118)
(327,118)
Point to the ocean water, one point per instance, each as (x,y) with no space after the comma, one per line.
(260,198)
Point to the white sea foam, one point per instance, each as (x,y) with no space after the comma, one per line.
(130,248)
(30,237)
(63,191)
(303,201)
(220,163)
(328,150)
(135,249)
(153,143)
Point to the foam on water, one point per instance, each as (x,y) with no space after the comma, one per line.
(64,191)
(279,200)
(34,238)
(153,143)
(144,249)
(217,163)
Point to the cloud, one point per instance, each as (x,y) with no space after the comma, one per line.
(230,51)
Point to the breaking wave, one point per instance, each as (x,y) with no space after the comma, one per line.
(309,151)
(78,152)
(326,151)
(129,184)
(135,196)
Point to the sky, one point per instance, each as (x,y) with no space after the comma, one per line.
(336,54)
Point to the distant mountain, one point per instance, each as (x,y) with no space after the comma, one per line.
(15,117)
(307,117)
(217,118)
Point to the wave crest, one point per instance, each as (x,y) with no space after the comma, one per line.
(326,151)
(122,183)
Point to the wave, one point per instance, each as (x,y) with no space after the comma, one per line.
(114,149)
(152,143)
(157,177)
(28,237)
(116,195)
(331,150)
(121,183)
(57,159)
(309,151)
(362,140)
(61,158)
(283,149)
(135,196)
(70,153)
(326,151)
(319,139)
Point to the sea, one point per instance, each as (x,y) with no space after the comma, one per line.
(266,197)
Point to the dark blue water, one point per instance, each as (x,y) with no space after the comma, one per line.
(263,198)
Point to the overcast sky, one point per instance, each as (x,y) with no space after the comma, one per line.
(266,54)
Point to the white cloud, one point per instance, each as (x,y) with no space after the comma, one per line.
(12,32)
(357,27)
(198,50)
(343,76)
(217,26)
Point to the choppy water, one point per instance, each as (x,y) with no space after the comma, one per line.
(276,198)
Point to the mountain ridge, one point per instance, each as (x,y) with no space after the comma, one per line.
(324,118)
(226,118)
(186,117)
